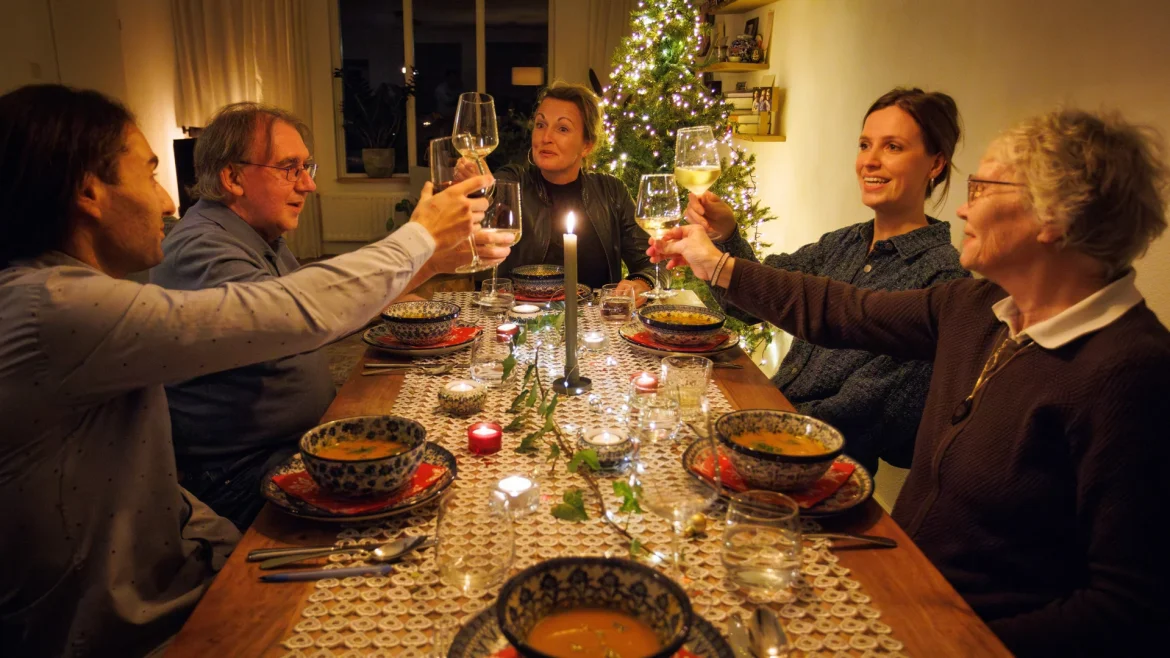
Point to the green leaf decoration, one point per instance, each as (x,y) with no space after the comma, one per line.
(528,444)
(573,509)
(517,423)
(587,457)
(518,402)
(532,397)
(509,365)
(528,373)
(637,550)
(552,406)
(629,497)
(554,451)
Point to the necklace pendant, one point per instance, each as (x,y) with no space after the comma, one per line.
(961,411)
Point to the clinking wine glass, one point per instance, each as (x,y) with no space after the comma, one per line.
(696,159)
(445,172)
(475,136)
(657,212)
(502,218)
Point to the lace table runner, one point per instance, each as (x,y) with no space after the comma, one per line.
(402,614)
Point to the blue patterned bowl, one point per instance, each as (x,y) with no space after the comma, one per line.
(364,477)
(593,582)
(420,323)
(771,471)
(540,280)
(680,324)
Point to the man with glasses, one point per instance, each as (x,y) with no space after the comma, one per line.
(253,174)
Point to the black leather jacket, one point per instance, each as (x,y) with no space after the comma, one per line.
(608,206)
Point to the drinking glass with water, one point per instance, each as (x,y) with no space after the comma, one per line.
(762,541)
(689,375)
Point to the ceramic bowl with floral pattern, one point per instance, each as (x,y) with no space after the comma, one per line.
(615,584)
(680,324)
(420,323)
(346,470)
(775,471)
(539,281)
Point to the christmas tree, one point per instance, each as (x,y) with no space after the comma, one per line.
(654,91)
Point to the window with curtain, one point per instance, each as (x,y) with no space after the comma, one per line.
(375,37)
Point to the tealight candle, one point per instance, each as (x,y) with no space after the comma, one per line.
(644,382)
(462,397)
(594,340)
(483,438)
(525,311)
(509,329)
(523,494)
(613,447)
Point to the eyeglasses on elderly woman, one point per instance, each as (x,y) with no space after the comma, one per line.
(977,186)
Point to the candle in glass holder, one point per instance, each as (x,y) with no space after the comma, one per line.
(613,447)
(523,494)
(483,438)
(462,397)
(644,382)
(594,340)
(525,311)
(508,329)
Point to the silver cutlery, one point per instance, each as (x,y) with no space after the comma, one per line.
(739,638)
(424,370)
(261,554)
(768,637)
(384,553)
(873,540)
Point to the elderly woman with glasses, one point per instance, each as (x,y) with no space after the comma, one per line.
(1036,480)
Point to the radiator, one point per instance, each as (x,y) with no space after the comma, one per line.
(356,218)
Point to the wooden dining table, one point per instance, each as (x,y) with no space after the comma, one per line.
(241,616)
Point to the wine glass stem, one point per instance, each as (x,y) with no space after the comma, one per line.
(474,254)
(658,277)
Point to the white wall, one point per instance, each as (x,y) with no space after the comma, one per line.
(26,44)
(568,41)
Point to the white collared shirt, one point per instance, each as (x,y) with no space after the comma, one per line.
(1092,313)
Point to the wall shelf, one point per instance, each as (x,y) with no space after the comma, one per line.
(760,138)
(732,67)
(740,6)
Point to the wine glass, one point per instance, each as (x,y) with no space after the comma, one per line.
(503,218)
(657,212)
(696,159)
(665,489)
(475,127)
(445,173)
(475,538)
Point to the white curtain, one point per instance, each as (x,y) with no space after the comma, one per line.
(609,23)
(229,51)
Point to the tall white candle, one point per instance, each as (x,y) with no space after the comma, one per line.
(570,297)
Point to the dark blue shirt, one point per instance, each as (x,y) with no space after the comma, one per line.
(255,409)
(876,401)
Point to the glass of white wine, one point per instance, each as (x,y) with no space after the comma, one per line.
(696,159)
(475,137)
(657,212)
(503,218)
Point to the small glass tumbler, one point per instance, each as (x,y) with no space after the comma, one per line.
(496,296)
(762,541)
(476,546)
(616,305)
(488,356)
(690,375)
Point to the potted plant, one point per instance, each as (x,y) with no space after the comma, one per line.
(373,117)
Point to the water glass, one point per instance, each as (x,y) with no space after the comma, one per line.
(496,295)
(616,305)
(656,418)
(488,354)
(762,541)
(476,546)
(690,375)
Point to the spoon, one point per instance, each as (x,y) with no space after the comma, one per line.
(384,553)
(767,634)
(426,370)
(872,540)
(737,633)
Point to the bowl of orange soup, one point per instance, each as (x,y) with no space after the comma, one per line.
(778,450)
(593,607)
(365,455)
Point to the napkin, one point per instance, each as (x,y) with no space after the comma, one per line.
(647,339)
(511,652)
(457,336)
(301,485)
(837,475)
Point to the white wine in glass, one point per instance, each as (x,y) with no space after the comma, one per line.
(657,211)
(503,217)
(696,159)
(658,226)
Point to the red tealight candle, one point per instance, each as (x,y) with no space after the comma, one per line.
(509,329)
(644,382)
(483,438)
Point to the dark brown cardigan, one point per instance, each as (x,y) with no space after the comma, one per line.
(1045,506)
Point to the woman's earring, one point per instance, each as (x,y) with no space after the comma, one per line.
(529,154)
(929,187)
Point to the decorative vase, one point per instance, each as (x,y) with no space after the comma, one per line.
(379,163)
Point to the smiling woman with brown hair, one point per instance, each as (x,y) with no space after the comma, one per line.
(566,128)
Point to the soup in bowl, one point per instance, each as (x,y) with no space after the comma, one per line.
(365,455)
(593,607)
(778,450)
(682,325)
(539,280)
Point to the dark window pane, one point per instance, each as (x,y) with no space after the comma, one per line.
(516,52)
(444,54)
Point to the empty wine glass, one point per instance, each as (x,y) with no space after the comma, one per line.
(696,159)
(475,538)
(665,489)
(445,173)
(475,131)
(502,218)
(657,212)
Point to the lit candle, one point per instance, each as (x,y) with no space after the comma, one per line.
(570,298)
(509,329)
(644,382)
(594,340)
(613,447)
(525,311)
(463,397)
(459,387)
(484,438)
(605,438)
(523,494)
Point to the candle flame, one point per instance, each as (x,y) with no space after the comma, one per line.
(570,222)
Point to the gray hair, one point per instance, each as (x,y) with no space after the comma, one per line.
(227,139)
(1102,180)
